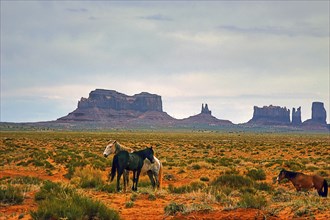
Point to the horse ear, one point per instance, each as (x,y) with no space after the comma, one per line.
(115,141)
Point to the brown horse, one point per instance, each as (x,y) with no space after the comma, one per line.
(302,181)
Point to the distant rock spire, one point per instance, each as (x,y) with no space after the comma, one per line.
(296,116)
(205,110)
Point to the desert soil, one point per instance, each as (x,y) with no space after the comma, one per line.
(178,154)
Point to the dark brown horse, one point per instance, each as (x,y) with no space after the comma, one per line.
(130,161)
(303,181)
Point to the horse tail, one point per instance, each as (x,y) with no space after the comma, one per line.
(325,187)
(114,167)
(160,175)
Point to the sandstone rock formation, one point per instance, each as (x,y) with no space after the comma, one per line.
(296,116)
(110,99)
(319,115)
(111,109)
(107,105)
(270,115)
(203,118)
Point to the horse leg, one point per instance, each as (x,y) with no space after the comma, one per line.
(120,172)
(125,179)
(298,187)
(137,179)
(151,177)
(157,181)
(134,177)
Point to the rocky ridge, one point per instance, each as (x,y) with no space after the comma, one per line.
(276,115)
(205,117)
(109,109)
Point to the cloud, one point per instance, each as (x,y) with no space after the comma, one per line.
(77,10)
(223,53)
(301,30)
(157,17)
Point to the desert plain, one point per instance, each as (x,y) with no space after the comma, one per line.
(206,175)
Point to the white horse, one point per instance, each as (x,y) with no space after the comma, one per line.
(153,170)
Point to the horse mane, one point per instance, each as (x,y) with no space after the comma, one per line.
(122,148)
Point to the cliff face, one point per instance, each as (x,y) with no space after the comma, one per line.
(270,115)
(319,115)
(110,99)
(110,109)
(107,105)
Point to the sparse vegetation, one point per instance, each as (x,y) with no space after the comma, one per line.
(11,195)
(193,186)
(173,208)
(57,202)
(88,177)
(232,181)
(129,204)
(256,174)
(249,200)
(201,170)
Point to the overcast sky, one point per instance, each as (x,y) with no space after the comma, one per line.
(231,55)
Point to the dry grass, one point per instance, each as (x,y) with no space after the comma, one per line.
(216,170)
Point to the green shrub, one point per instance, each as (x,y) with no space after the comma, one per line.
(257,174)
(204,208)
(134,196)
(11,195)
(50,190)
(196,166)
(179,190)
(56,202)
(23,180)
(233,181)
(129,204)
(197,185)
(88,177)
(249,200)
(110,188)
(263,187)
(193,186)
(152,197)
(293,165)
(204,179)
(281,196)
(173,208)
(226,162)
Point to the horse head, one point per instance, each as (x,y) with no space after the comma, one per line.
(110,149)
(281,175)
(149,153)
